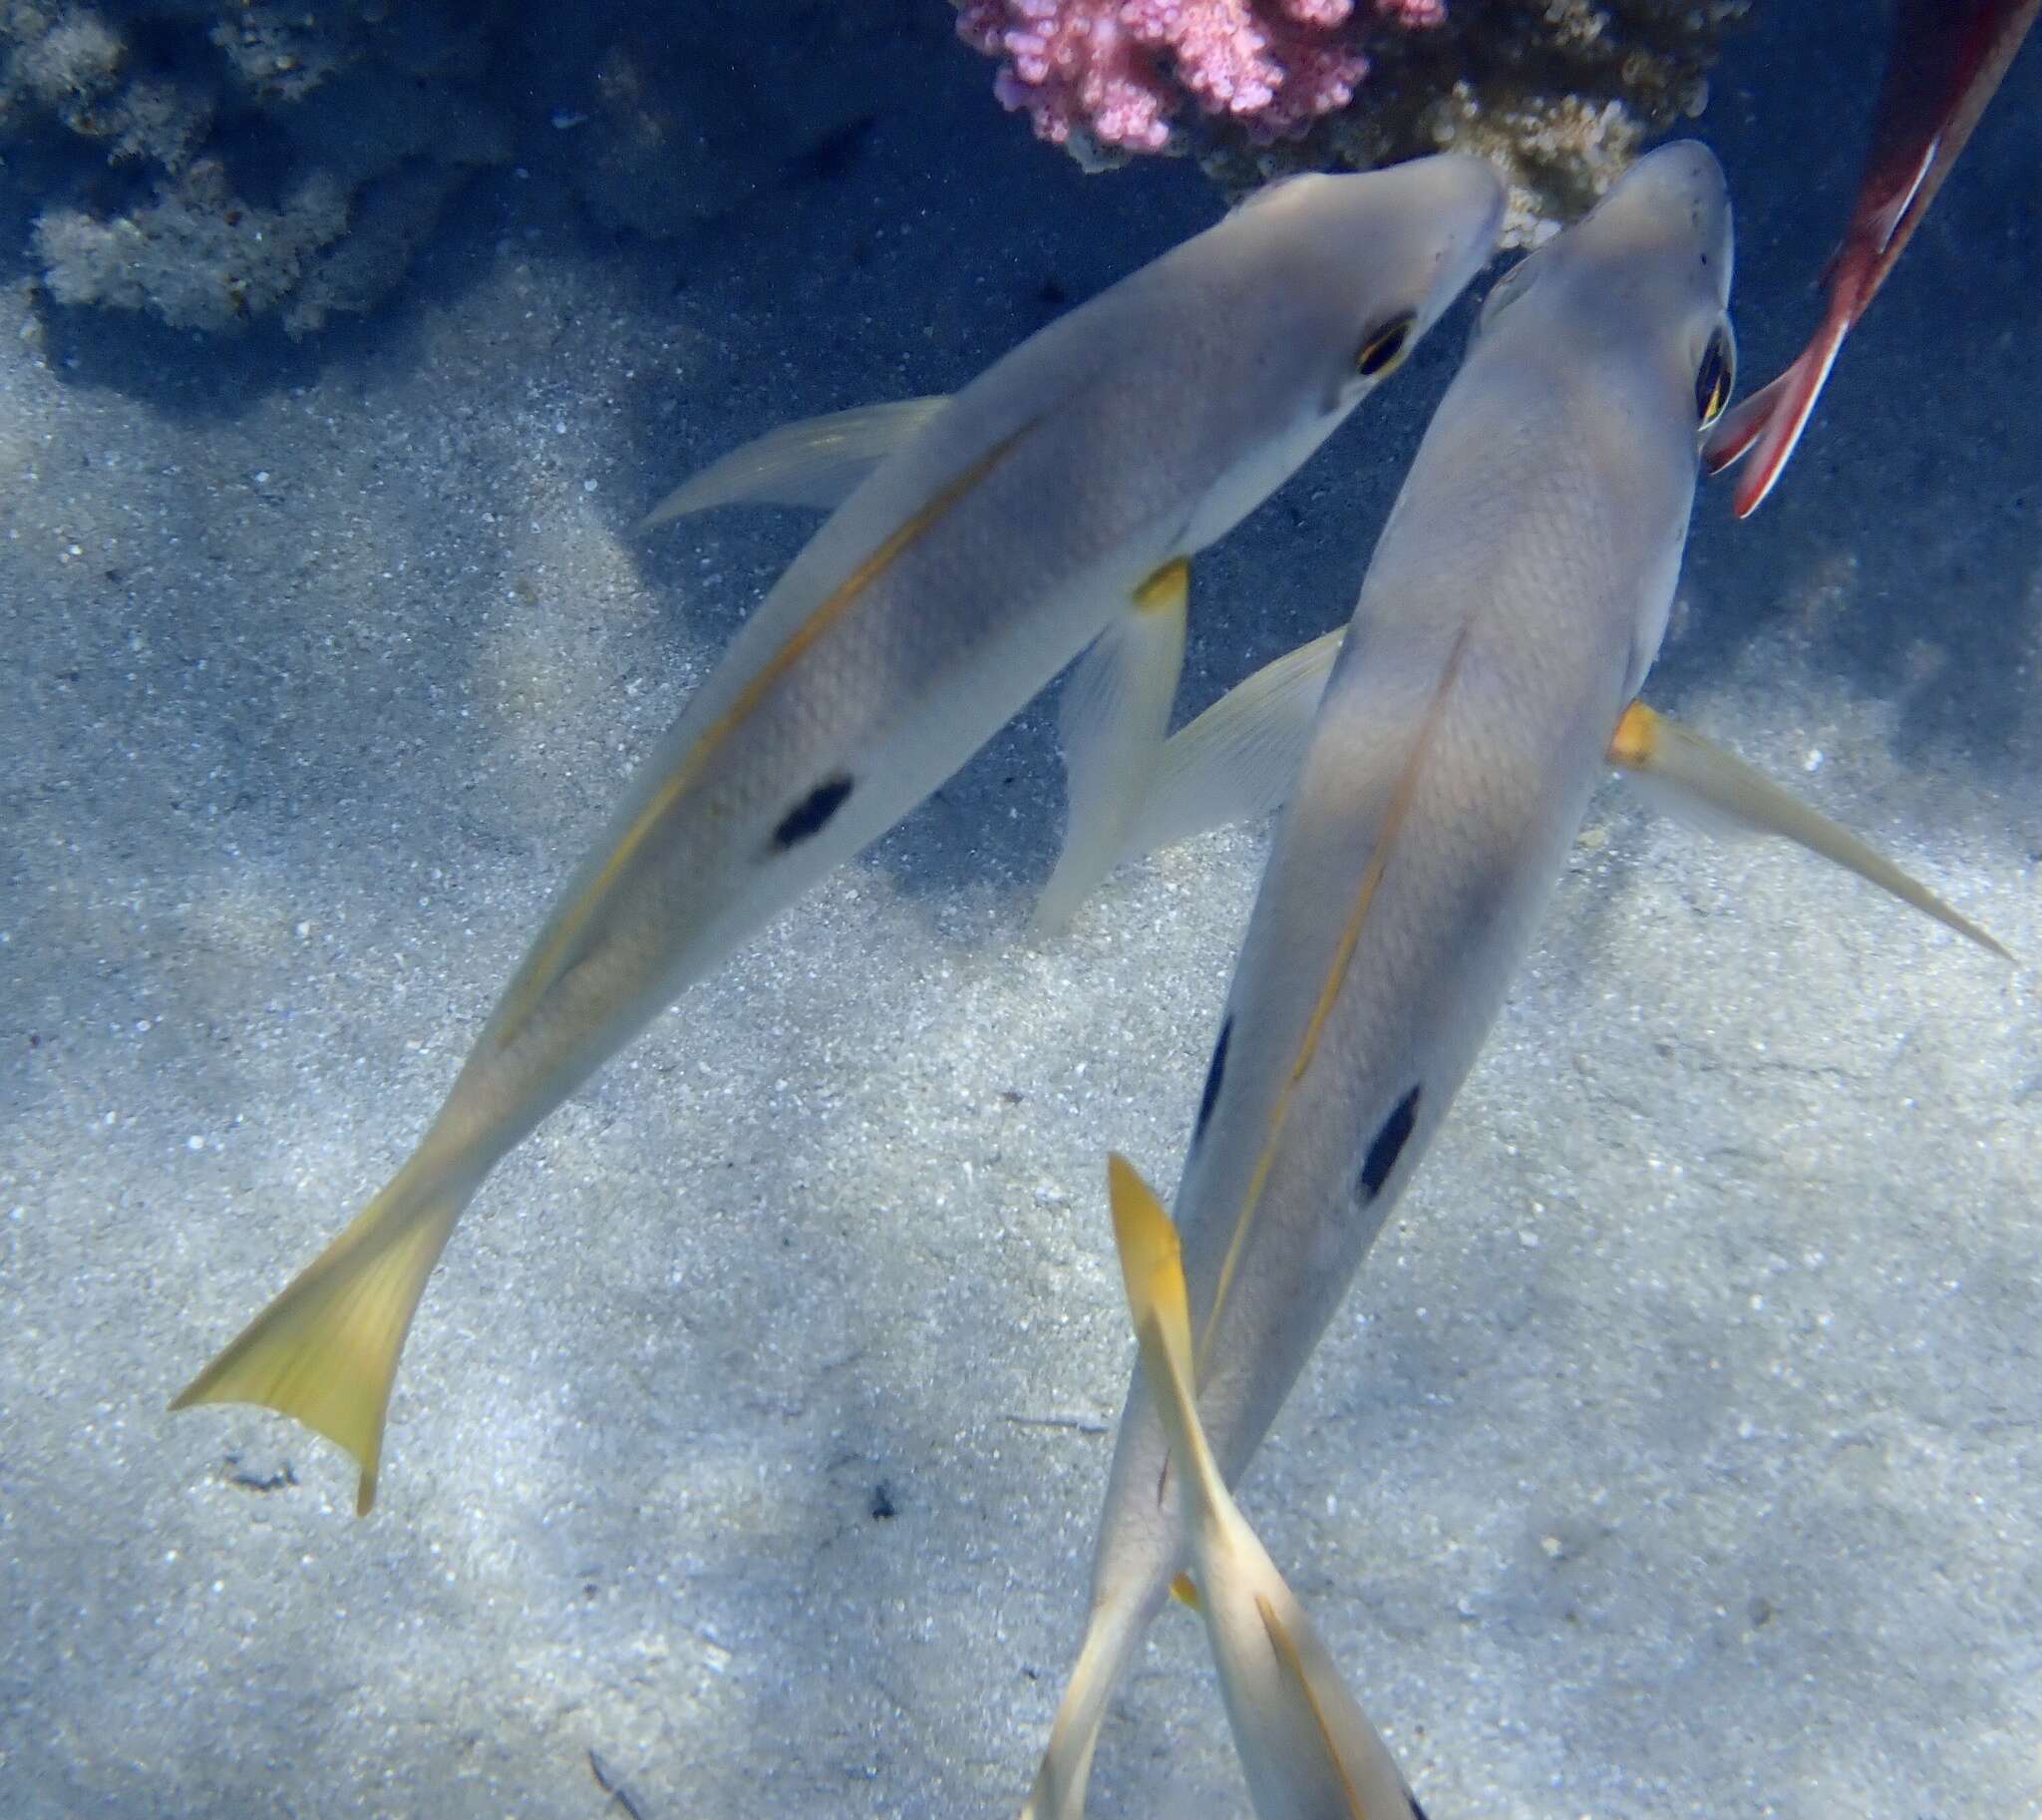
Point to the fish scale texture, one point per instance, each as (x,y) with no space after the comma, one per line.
(1677,1452)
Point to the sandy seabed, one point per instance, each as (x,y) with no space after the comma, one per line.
(1677,1452)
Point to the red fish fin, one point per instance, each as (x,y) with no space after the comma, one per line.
(1800,385)
(1730,439)
(1880,223)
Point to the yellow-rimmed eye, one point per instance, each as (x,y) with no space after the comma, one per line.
(1381,352)
(1716,377)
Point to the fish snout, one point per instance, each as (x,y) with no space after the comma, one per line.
(1461,199)
(1414,233)
(1679,195)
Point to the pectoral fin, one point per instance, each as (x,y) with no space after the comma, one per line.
(1116,711)
(1692,776)
(817,462)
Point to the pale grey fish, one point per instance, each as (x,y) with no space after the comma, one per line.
(1515,599)
(1056,498)
(1239,759)
(1308,1747)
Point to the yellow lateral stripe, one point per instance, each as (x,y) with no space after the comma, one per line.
(1168,588)
(1635,743)
(545,969)
(1336,975)
(1285,1647)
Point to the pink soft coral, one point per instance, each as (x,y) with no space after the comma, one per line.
(1118,67)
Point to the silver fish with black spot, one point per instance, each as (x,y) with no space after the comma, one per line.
(1515,599)
(984,544)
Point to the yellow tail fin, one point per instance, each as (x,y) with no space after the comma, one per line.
(1152,1266)
(1120,1615)
(324,1352)
(1151,1262)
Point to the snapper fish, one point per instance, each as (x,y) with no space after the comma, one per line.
(981,542)
(1308,1749)
(1516,601)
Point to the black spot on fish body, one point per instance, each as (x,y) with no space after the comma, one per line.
(1215,1072)
(812,814)
(1388,1145)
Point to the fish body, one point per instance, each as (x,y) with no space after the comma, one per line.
(1947,61)
(1014,523)
(1517,597)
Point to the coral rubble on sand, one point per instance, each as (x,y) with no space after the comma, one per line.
(213,164)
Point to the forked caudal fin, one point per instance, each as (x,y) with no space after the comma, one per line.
(1309,1750)
(326,1351)
(1729,440)
(1152,1267)
(1773,438)
(1112,1633)
(1119,1618)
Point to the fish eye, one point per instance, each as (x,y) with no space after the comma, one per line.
(1716,377)
(1383,350)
